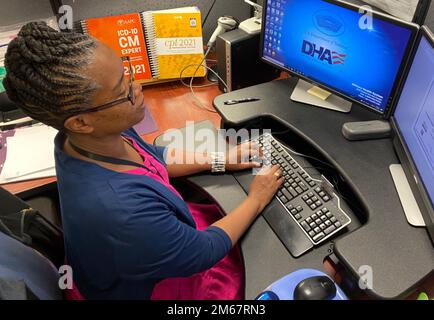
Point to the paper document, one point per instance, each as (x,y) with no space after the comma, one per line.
(403,9)
(29,153)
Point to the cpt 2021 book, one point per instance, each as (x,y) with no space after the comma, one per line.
(160,44)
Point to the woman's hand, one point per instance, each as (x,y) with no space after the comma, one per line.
(265,186)
(238,158)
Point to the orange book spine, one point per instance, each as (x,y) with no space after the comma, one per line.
(124,34)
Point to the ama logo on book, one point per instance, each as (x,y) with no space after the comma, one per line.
(323,54)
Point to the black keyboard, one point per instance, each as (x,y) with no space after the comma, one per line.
(315,209)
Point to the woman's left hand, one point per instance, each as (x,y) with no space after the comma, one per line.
(239,157)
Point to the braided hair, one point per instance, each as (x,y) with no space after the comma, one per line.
(45,72)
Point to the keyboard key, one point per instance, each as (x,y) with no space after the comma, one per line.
(314,216)
(318,189)
(312,183)
(312,225)
(294,211)
(283,199)
(338,224)
(318,237)
(333,219)
(324,218)
(325,210)
(313,206)
(287,194)
(311,194)
(290,206)
(305,197)
(279,193)
(299,190)
(311,233)
(318,203)
(326,198)
(318,221)
(330,229)
(299,208)
(305,226)
(309,202)
(293,192)
(329,215)
(328,223)
(303,186)
(314,199)
(322,194)
(322,226)
(317,230)
(309,220)
(298,216)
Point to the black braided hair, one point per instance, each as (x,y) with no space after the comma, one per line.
(44,72)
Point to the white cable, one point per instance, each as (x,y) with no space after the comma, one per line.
(202,105)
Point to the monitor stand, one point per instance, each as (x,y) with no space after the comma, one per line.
(307,93)
(409,204)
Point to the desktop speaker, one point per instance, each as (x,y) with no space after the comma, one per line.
(239,63)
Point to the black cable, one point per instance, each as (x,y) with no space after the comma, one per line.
(209,11)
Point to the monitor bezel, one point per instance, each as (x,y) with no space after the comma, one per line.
(421,11)
(417,185)
(414,28)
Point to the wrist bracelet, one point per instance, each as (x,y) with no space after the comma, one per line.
(218,162)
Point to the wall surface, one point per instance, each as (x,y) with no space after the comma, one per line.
(17,11)
(97,8)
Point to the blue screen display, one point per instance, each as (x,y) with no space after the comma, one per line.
(336,47)
(414,114)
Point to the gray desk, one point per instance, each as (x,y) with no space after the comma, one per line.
(400,256)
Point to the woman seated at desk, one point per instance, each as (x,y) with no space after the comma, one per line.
(128,232)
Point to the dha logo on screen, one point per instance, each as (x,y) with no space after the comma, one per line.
(323,54)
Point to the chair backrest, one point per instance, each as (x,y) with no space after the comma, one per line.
(21,264)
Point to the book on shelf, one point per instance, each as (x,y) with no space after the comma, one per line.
(160,44)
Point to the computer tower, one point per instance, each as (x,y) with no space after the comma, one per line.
(239,64)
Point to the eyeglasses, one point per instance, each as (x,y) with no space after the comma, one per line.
(130,97)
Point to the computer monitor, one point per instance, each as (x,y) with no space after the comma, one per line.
(336,48)
(413,125)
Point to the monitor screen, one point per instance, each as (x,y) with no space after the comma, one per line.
(334,46)
(414,114)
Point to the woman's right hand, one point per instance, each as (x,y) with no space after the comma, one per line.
(265,186)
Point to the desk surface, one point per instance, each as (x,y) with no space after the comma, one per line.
(400,256)
(171,106)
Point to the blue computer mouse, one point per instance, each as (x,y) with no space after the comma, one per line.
(303,284)
(315,288)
